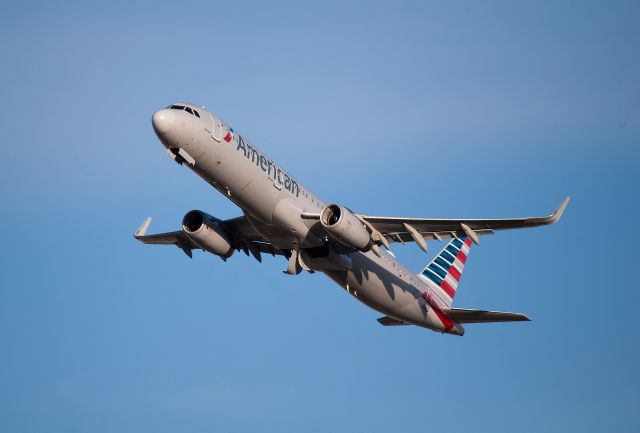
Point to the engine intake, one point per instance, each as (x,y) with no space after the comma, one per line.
(205,231)
(346,228)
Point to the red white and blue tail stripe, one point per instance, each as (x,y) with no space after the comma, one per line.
(443,274)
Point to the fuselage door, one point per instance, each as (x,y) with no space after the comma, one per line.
(216,128)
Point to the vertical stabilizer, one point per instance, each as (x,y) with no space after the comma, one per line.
(443,274)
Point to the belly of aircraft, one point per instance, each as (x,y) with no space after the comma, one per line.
(380,288)
(274,214)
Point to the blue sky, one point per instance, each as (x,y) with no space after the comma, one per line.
(430,109)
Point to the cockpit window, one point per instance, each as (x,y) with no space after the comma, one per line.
(187,109)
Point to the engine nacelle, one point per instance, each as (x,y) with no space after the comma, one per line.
(205,231)
(345,227)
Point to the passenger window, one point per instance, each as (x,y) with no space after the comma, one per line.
(196,113)
(188,110)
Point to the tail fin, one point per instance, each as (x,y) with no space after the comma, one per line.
(443,274)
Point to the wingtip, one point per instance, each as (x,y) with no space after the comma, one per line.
(565,202)
(143,228)
(560,210)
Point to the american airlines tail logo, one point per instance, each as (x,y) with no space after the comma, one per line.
(446,269)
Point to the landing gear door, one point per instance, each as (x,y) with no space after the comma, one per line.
(216,128)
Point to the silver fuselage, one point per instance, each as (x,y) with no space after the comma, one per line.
(273,201)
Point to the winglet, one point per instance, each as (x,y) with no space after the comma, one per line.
(143,228)
(551,219)
(558,213)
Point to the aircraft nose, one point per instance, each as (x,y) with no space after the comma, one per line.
(162,120)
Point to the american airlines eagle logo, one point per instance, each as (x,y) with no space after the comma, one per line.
(229,136)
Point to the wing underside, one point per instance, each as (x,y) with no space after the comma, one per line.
(241,233)
(399,229)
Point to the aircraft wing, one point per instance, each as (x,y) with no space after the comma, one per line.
(241,227)
(408,229)
(242,234)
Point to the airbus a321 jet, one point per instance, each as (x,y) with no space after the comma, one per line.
(282,217)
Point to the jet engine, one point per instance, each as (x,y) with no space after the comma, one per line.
(346,228)
(205,231)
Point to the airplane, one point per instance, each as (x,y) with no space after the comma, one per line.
(282,217)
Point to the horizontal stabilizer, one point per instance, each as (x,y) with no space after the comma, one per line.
(460,315)
(390,321)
